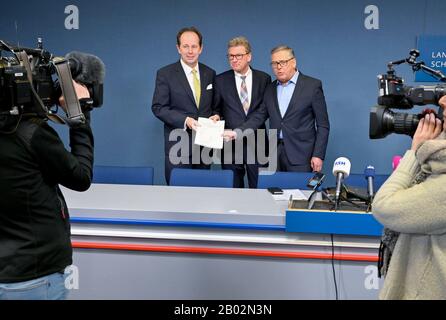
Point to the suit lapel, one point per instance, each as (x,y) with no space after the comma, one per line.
(183,80)
(276,101)
(254,90)
(204,82)
(297,90)
(233,91)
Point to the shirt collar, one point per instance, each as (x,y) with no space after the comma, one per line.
(242,75)
(188,69)
(292,80)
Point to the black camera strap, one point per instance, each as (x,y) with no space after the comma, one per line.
(23,58)
(73,108)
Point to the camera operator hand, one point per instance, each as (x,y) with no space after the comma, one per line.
(442,103)
(81,92)
(429,128)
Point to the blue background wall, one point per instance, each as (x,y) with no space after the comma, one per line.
(136,38)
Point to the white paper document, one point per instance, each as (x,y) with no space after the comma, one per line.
(209,133)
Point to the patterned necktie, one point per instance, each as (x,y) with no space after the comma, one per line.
(197,87)
(244,95)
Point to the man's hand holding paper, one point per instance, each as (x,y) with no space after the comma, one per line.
(209,133)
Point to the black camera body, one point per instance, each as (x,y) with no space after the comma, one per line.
(34,87)
(393,93)
(16,90)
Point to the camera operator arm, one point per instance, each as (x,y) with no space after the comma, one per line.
(72,169)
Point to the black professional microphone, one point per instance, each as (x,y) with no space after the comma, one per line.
(369,174)
(86,68)
(341,170)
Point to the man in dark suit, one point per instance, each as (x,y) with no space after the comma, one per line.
(295,105)
(297,110)
(183,92)
(239,94)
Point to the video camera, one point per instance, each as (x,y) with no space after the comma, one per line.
(28,84)
(394,94)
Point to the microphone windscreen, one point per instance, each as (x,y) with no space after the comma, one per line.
(369,172)
(342,165)
(90,69)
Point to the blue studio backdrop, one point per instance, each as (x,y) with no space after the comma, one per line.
(344,43)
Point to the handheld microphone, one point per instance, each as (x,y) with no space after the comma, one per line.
(341,170)
(395,162)
(369,174)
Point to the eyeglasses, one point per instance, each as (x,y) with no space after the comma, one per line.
(281,63)
(236,56)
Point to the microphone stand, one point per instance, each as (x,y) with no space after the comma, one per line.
(369,205)
(351,202)
(312,197)
(338,200)
(342,198)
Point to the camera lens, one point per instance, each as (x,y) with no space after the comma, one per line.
(405,123)
(384,121)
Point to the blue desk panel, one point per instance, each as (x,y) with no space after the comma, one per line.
(330,222)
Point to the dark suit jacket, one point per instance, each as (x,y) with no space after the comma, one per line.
(305,125)
(173,99)
(228,101)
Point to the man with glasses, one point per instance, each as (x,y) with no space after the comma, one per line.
(183,92)
(239,94)
(296,107)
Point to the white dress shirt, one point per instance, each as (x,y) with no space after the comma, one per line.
(190,79)
(189,75)
(284,95)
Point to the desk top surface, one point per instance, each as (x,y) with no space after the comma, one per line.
(176,203)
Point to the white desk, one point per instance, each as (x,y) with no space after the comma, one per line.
(180,203)
(159,242)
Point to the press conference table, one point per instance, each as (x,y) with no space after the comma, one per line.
(161,242)
(179,203)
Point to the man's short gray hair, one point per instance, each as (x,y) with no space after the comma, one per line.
(283,48)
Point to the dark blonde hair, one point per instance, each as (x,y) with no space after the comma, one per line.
(240,41)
